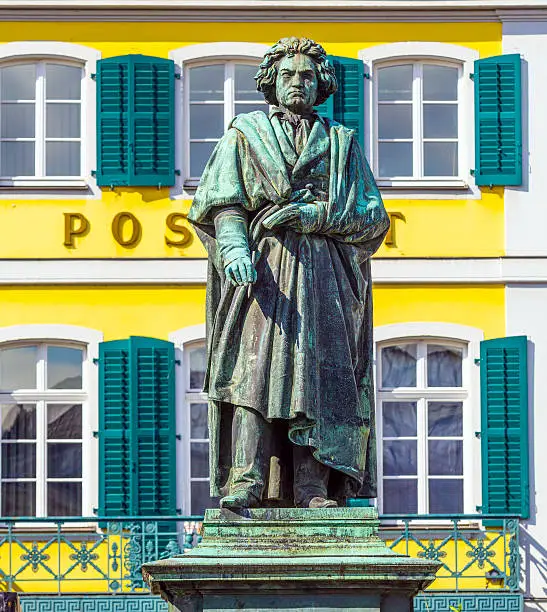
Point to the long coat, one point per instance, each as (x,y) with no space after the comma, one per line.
(297,345)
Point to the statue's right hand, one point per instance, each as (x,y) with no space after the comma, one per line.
(241,271)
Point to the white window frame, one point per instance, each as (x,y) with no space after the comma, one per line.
(468,338)
(196,55)
(434,53)
(88,340)
(68,54)
(185,339)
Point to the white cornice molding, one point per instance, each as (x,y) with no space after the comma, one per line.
(364,11)
(186,335)
(405,271)
(427,329)
(437,50)
(44,331)
(225,50)
(242,14)
(281,4)
(53,48)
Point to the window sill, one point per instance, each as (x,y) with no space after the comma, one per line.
(77,184)
(191,184)
(421,184)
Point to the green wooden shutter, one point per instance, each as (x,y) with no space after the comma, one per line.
(115,465)
(498,121)
(504,426)
(113,161)
(136,121)
(137,427)
(347,105)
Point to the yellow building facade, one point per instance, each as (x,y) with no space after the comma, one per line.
(84,264)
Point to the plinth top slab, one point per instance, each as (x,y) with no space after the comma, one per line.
(295,531)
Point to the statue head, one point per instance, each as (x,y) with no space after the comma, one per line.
(295,73)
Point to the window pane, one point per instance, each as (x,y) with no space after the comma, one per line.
(18,499)
(63,82)
(63,121)
(18,368)
(245,85)
(198,415)
(19,82)
(206,120)
(201,500)
(207,82)
(400,496)
(445,496)
(17,159)
(200,152)
(64,367)
(444,419)
(399,419)
(399,366)
(440,158)
(64,498)
(395,121)
(249,108)
(440,82)
(63,159)
(395,159)
(445,457)
(18,120)
(199,460)
(64,421)
(444,366)
(18,421)
(395,83)
(440,121)
(400,457)
(64,460)
(198,365)
(19,460)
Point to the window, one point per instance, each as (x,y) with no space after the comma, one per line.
(42,410)
(418,124)
(197,498)
(421,424)
(215,93)
(40,121)
(419,127)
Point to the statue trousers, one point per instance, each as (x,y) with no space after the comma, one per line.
(251,460)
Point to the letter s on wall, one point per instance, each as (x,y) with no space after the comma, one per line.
(173,224)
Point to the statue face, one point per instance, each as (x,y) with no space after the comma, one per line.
(296,84)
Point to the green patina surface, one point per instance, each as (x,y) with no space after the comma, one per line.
(298,531)
(291,559)
(290,214)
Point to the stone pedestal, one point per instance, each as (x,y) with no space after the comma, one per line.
(290,559)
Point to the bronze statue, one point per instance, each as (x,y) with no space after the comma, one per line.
(290,214)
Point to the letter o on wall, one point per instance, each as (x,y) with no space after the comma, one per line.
(118,224)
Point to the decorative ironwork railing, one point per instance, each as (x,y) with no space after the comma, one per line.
(477,552)
(104,556)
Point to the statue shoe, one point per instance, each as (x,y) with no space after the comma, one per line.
(321,502)
(239,500)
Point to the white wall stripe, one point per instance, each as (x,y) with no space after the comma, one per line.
(495,270)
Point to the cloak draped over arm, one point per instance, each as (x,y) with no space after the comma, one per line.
(248,168)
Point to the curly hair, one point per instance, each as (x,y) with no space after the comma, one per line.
(267,72)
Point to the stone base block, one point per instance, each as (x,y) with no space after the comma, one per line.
(288,560)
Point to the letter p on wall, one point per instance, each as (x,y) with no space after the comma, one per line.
(76,225)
